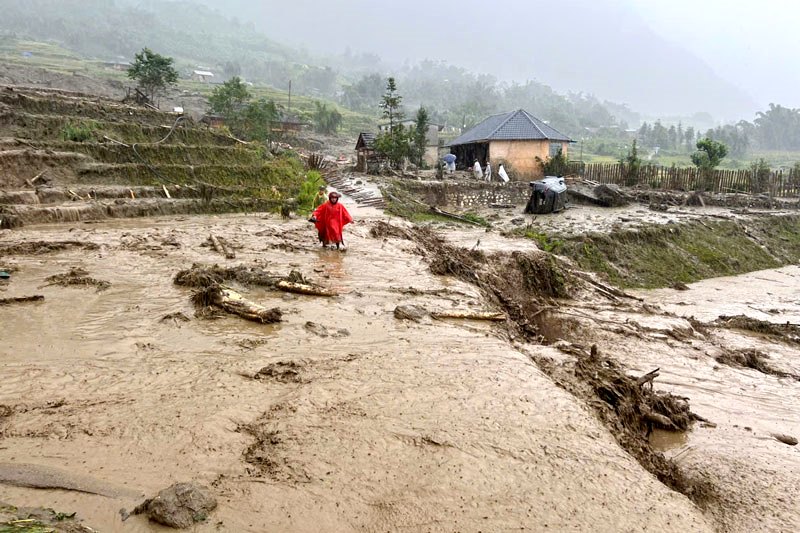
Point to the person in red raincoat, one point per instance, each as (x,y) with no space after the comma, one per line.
(330,218)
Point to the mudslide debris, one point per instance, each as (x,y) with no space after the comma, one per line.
(21,299)
(281,371)
(77,277)
(410,312)
(43,247)
(180,505)
(232,302)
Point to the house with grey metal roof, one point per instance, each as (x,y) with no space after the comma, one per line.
(517,139)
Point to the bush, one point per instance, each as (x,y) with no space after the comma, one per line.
(308,191)
(77,132)
(554,166)
(759,176)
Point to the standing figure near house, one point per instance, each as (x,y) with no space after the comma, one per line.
(503,174)
(476,169)
(330,218)
(488,172)
(450,162)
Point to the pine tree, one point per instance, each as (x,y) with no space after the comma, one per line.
(391,104)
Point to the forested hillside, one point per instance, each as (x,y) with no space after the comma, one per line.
(197,35)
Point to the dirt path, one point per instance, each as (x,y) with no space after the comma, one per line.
(385,425)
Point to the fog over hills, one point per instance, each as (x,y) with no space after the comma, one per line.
(604,47)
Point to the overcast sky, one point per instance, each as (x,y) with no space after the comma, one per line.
(662,57)
(755,44)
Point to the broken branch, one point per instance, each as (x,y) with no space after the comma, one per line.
(21,299)
(302,288)
(470,315)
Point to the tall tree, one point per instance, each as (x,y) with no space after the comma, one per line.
(229,98)
(326,119)
(390,103)
(153,71)
(709,154)
(420,140)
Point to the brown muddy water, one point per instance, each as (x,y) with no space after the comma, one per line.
(381,425)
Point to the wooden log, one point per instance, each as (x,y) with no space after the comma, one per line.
(232,302)
(470,315)
(21,299)
(648,378)
(454,217)
(605,288)
(659,420)
(220,248)
(303,288)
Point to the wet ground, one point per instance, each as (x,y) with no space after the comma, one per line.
(383,424)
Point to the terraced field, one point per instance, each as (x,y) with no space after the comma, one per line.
(73,156)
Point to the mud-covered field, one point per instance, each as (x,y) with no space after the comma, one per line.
(348,416)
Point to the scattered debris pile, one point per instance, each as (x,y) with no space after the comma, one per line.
(21,299)
(631,409)
(520,283)
(42,247)
(77,277)
(755,359)
(179,506)
(200,276)
(525,285)
(782,332)
(282,372)
(212,293)
(38,520)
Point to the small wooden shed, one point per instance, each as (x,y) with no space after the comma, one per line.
(365,151)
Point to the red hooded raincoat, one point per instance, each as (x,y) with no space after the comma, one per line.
(331,218)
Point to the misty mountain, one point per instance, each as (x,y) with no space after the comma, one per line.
(600,47)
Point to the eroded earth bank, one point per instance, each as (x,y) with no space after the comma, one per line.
(350,416)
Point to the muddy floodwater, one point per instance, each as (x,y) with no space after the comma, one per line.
(361,421)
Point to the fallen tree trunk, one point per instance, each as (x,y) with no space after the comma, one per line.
(303,288)
(21,299)
(232,302)
(470,315)
(439,212)
(220,247)
(649,377)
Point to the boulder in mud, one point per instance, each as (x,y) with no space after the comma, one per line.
(179,506)
(786,439)
(610,196)
(282,371)
(410,312)
(322,331)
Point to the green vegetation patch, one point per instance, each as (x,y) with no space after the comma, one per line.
(662,255)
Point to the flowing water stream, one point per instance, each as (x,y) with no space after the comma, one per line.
(387,424)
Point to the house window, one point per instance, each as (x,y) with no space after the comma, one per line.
(554,149)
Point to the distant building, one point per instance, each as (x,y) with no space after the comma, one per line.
(212,121)
(515,139)
(203,75)
(288,124)
(119,65)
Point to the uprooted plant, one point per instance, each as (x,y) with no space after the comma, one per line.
(631,408)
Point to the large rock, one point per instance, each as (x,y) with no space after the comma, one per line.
(611,196)
(179,506)
(410,312)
